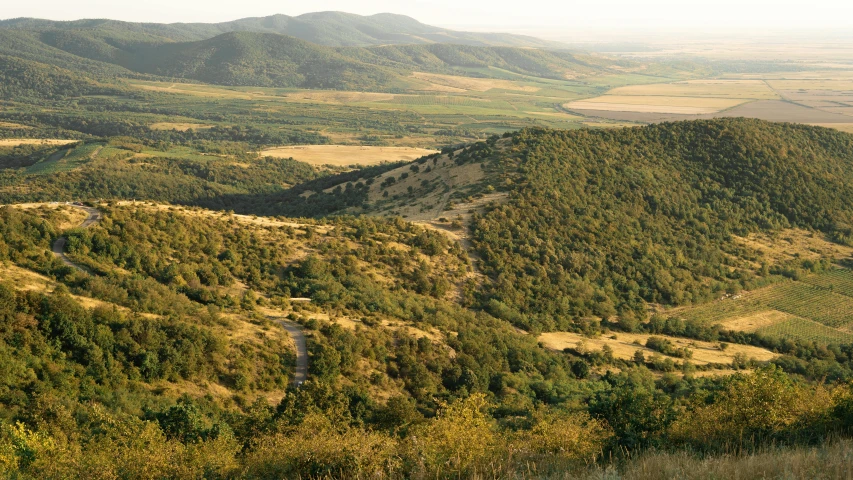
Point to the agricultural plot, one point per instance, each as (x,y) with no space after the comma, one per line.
(802,329)
(65,160)
(817,308)
(732,89)
(695,97)
(461,84)
(838,281)
(655,104)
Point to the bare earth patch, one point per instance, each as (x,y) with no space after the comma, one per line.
(344,155)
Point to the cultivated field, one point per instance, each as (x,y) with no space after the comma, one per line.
(65,160)
(344,155)
(655,104)
(822,98)
(818,308)
(731,89)
(462,84)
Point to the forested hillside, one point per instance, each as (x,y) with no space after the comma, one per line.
(610,223)
(324,28)
(606,222)
(257,58)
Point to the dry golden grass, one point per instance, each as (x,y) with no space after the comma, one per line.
(755,321)
(344,155)
(445,172)
(655,104)
(14,142)
(732,89)
(180,127)
(23,279)
(624,347)
(267,222)
(468,83)
(13,125)
(70,216)
(795,244)
(828,461)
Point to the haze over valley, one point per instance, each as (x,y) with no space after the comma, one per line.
(597,241)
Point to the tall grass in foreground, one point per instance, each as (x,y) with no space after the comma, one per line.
(828,461)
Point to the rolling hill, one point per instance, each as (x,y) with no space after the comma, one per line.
(336,29)
(596,224)
(245,58)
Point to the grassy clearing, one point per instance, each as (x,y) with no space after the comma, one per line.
(792,244)
(23,279)
(344,155)
(625,345)
(14,142)
(14,125)
(181,127)
(60,214)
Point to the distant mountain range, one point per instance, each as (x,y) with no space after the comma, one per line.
(379,52)
(335,29)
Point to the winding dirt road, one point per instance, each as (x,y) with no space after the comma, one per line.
(59,245)
(295,332)
(293,329)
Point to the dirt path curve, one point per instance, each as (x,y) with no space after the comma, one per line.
(94,216)
(295,332)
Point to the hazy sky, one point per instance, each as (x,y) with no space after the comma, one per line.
(480,14)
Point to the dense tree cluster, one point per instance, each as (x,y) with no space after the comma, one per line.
(604,222)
